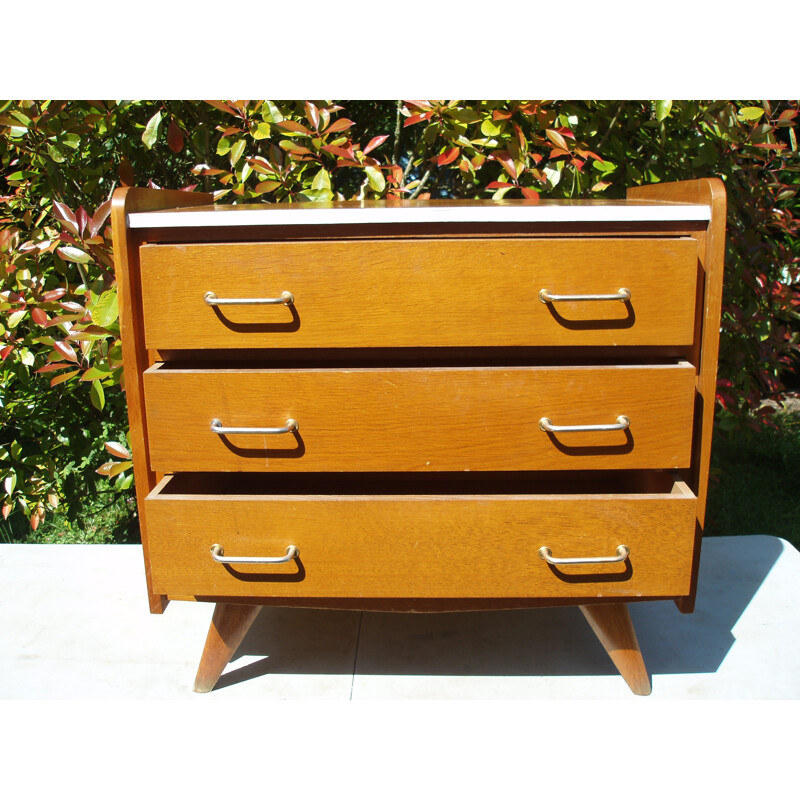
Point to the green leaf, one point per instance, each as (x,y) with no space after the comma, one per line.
(663,107)
(15,318)
(488,128)
(750,113)
(376,180)
(271,112)
(97,395)
(106,310)
(236,151)
(223,146)
(56,154)
(151,130)
(261,131)
(74,254)
(322,180)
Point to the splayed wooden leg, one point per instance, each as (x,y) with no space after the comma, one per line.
(613,627)
(229,624)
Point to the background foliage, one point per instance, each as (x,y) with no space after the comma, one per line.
(62,410)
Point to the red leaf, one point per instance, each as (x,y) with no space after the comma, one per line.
(64,376)
(126,176)
(498,185)
(566,132)
(6,510)
(447,156)
(498,115)
(116,449)
(65,350)
(64,213)
(98,218)
(6,351)
(556,138)
(340,125)
(531,194)
(289,125)
(174,137)
(340,151)
(312,115)
(83,218)
(69,305)
(52,367)
(376,142)
(504,157)
(415,118)
(222,106)
(39,317)
(557,153)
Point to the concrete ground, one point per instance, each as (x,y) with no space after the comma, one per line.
(74,624)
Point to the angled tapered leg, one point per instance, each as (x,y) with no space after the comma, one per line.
(229,624)
(613,627)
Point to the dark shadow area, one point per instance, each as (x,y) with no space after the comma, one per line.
(541,641)
(267,452)
(593,450)
(570,574)
(268,573)
(260,327)
(627,321)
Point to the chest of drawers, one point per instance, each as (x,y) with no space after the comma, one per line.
(421,406)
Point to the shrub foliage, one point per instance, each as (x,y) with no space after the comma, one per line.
(62,411)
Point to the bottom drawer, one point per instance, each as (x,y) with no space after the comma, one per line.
(394,542)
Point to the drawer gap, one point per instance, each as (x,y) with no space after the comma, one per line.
(440,483)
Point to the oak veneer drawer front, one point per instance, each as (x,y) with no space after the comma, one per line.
(422,546)
(420,419)
(420,293)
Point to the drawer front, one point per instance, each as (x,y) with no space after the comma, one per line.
(420,419)
(422,546)
(420,293)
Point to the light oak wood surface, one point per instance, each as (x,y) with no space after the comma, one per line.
(420,293)
(422,546)
(420,419)
(135,356)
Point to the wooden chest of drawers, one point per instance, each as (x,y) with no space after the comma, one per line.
(422,406)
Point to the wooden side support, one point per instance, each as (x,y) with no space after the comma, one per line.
(613,626)
(229,625)
(135,355)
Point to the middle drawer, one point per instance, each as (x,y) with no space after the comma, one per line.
(419,419)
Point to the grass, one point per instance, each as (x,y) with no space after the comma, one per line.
(755,482)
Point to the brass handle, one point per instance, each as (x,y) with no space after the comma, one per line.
(286,298)
(546,297)
(621,424)
(623,551)
(290,427)
(217,554)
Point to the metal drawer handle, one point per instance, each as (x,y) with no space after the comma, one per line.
(621,424)
(547,297)
(217,554)
(290,427)
(623,551)
(286,298)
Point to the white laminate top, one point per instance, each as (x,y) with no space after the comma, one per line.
(411,212)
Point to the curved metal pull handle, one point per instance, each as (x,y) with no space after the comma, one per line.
(290,427)
(286,299)
(623,551)
(621,424)
(546,297)
(217,554)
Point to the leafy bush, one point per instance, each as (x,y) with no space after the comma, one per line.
(60,378)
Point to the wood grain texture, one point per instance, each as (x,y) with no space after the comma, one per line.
(229,625)
(422,546)
(420,293)
(711,252)
(613,626)
(135,356)
(420,419)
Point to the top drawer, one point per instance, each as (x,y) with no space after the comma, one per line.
(421,293)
